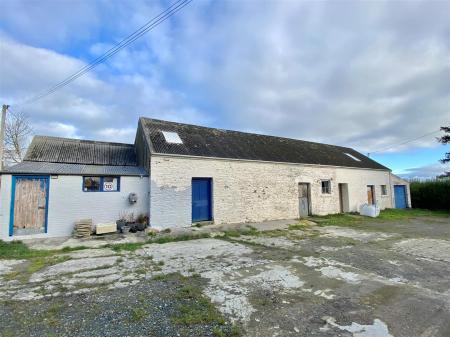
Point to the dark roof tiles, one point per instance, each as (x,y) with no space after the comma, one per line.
(209,142)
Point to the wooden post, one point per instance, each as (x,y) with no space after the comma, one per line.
(2,134)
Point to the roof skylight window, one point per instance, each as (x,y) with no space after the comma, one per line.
(172,137)
(352,156)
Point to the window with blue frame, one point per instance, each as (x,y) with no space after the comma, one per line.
(101,184)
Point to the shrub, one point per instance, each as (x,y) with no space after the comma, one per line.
(431,194)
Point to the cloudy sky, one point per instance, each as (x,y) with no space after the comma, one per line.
(360,74)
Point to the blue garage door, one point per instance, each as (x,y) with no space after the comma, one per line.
(400,196)
(201,199)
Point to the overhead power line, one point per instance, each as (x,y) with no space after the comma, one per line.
(392,146)
(164,15)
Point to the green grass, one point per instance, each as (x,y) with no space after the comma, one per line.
(39,263)
(400,214)
(18,250)
(158,239)
(338,219)
(33,265)
(183,237)
(137,314)
(385,215)
(234,233)
(221,332)
(194,308)
(72,249)
(128,246)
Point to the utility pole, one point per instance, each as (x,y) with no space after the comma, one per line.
(2,134)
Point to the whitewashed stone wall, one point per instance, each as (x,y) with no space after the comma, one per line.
(247,191)
(68,203)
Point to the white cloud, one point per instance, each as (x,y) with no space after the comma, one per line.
(424,172)
(57,129)
(363,74)
(312,71)
(116,135)
(90,107)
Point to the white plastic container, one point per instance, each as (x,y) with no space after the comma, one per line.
(370,210)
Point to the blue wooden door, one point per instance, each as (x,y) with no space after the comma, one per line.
(400,196)
(201,199)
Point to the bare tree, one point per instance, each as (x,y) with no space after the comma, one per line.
(18,131)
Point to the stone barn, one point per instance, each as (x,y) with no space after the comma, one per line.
(183,174)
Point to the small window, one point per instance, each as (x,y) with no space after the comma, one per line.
(352,156)
(91,184)
(383,190)
(101,184)
(326,187)
(172,137)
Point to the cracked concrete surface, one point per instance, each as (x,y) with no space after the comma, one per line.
(287,283)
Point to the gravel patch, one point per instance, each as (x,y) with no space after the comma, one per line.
(145,309)
(433,249)
(333,231)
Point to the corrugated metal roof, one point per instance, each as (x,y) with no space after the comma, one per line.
(78,151)
(34,167)
(209,142)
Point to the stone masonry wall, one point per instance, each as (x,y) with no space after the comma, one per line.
(249,191)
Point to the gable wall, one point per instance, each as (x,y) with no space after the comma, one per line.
(142,150)
(246,191)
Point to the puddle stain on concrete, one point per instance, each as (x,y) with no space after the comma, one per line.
(377,329)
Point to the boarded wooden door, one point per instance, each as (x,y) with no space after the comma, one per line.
(303,199)
(370,195)
(30,205)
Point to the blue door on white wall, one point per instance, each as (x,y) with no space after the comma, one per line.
(201,199)
(400,196)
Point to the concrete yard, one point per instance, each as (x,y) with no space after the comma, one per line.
(366,279)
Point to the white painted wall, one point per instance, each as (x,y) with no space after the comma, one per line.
(247,191)
(68,203)
(5,203)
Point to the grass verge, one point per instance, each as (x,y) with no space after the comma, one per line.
(19,250)
(385,215)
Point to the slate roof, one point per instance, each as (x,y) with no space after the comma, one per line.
(77,151)
(34,167)
(209,142)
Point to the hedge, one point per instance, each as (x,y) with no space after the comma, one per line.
(431,194)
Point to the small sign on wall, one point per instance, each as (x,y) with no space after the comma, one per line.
(108,186)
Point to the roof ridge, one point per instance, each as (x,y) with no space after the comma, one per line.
(81,140)
(245,132)
(204,141)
